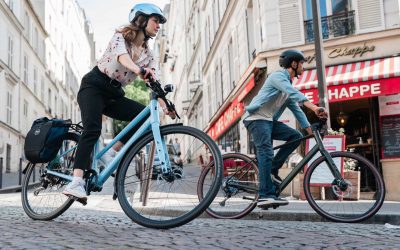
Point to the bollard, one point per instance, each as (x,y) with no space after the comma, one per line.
(1,172)
(20,172)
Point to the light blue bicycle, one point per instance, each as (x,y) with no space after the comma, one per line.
(150,186)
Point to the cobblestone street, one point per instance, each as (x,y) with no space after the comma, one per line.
(95,229)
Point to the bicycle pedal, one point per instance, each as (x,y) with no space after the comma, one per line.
(83,201)
(267,206)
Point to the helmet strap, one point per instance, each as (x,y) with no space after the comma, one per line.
(295,70)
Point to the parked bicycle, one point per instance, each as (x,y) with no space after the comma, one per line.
(168,201)
(238,194)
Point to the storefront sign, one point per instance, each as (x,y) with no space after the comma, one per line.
(250,85)
(357,90)
(389,105)
(231,114)
(345,51)
(322,175)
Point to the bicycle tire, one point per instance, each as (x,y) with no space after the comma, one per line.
(235,210)
(340,215)
(134,211)
(26,188)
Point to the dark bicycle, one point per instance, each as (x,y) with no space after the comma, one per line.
(238,194)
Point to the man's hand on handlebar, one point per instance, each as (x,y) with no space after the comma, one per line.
(321,112)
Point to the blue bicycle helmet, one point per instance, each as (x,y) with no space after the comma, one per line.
(147,10)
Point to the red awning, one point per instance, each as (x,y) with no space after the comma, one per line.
(351,73)
(354,80)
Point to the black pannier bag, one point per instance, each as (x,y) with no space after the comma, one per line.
(44,139)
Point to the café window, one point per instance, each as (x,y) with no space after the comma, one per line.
(230,140)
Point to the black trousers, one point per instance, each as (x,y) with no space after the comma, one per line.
(100,95)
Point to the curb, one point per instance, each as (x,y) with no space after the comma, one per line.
(14,189)
(314,217)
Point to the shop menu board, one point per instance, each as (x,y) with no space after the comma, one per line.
(322,176)
(390,126)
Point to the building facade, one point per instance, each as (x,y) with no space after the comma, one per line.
(46,48)
(219,54)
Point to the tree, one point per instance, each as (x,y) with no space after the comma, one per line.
(137,91)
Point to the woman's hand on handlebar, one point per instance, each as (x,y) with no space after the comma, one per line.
(146,73)
(164,107)
(171,114)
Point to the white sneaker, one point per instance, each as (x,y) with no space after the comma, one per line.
(76,189)
(108,157)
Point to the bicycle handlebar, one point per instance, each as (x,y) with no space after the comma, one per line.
(155,86)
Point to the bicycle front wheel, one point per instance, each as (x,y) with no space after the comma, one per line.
(362,198)
(157,201)
(41,194)
(238,194)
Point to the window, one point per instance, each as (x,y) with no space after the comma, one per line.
(35,81)
(26,69)
(337,19)
(55,105)
(27,26)
(10,52)
(231,65)
(250,32)
(9,107)
(35,40)
(49,100)
(25,108)
(42,90)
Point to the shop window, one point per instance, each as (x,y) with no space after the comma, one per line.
(230,140)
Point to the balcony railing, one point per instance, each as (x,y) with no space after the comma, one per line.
(332,26)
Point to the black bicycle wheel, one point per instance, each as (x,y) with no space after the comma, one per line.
(232,201)
(41,195)
(361,200)
(169,201)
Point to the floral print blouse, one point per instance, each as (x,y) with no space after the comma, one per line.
(109,65)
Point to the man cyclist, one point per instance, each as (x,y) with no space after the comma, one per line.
(261,120)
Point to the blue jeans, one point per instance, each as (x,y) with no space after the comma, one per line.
(263,132)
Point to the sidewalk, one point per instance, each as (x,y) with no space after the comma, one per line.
(295,211)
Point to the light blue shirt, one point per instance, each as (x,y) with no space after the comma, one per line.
(274,97)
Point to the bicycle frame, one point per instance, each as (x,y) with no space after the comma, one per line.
(319,147)
(151,123)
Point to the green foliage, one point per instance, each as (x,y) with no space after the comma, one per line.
(137,91)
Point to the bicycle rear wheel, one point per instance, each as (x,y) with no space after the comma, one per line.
(41,194)
(348,205)
(154,201)
(239,190)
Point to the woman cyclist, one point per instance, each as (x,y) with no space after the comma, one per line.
(126,57)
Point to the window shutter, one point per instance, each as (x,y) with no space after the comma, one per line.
(369,15)
(291,22)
